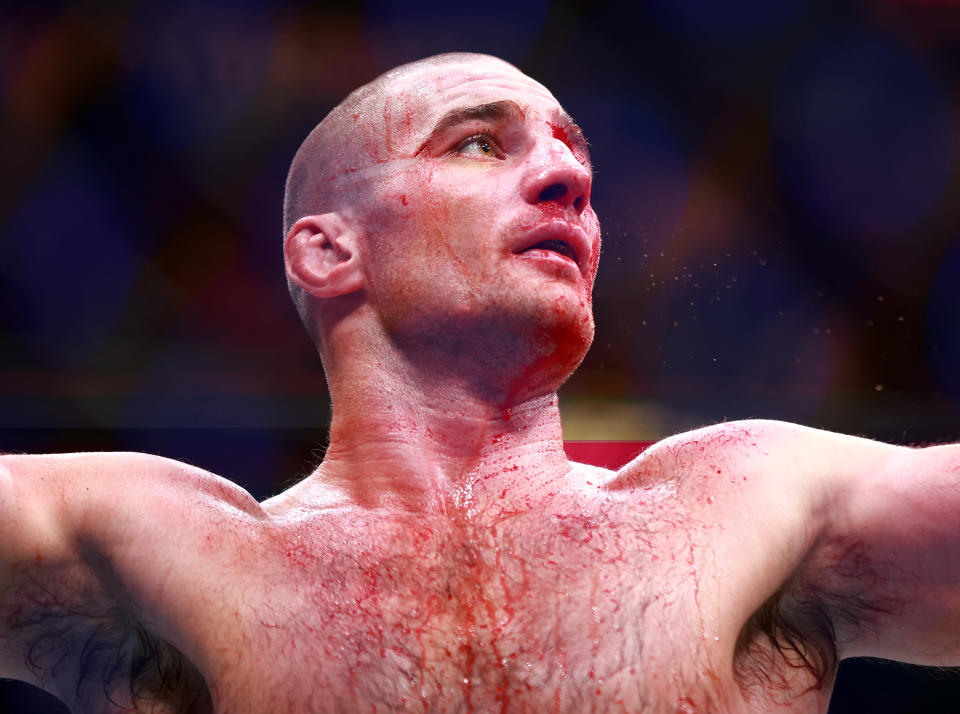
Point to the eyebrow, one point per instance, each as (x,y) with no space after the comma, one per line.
(505,110)
(502,111)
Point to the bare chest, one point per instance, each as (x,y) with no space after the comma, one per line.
(556,612)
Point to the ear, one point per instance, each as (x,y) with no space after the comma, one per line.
(320,253)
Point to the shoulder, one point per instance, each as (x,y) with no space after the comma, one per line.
(126,518)
(712,451)
(118,474)
(83,495)
(750,483)
(763,489)
(775,451)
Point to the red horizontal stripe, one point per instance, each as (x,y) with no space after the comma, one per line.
(608,454)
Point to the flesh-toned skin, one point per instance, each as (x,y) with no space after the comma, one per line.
(445,556)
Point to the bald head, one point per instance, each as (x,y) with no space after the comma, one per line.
(401,216)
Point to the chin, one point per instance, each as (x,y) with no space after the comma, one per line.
(564,345)
(565,318)
(559,342)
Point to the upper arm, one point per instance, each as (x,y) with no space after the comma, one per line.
(887,556)
(84,539)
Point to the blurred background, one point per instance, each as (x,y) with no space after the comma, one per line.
(777,183)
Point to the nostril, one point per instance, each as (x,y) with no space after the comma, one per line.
(578,203)
(553,192)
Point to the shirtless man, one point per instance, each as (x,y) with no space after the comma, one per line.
(446,556)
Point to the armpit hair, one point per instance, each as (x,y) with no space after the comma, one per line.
(797,631)
(788,635)
(93,659)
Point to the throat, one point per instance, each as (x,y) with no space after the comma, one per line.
(509,480)
(437,461)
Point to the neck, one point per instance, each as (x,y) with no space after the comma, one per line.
(433,442)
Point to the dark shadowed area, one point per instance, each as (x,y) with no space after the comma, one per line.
(777,184)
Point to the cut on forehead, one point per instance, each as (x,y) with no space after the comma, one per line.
(360,131)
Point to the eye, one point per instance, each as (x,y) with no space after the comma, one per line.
(482,144)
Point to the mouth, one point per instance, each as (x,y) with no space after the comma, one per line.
(554,246)
(557,241)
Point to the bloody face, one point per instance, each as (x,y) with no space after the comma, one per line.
(479,235)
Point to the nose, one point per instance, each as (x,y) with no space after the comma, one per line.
(558,179)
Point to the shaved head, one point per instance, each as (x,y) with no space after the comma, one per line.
(440,215)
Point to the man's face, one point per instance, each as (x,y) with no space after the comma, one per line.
(480,221)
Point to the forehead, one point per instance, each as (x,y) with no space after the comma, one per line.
(416,99)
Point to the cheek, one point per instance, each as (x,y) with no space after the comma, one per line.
(457,211)
(441,222)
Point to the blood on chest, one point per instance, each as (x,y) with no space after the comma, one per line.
(485,614)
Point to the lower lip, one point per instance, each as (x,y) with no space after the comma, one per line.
(555,261)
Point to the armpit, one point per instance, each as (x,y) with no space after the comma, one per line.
(787,648)
(95,656)
(792,642)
